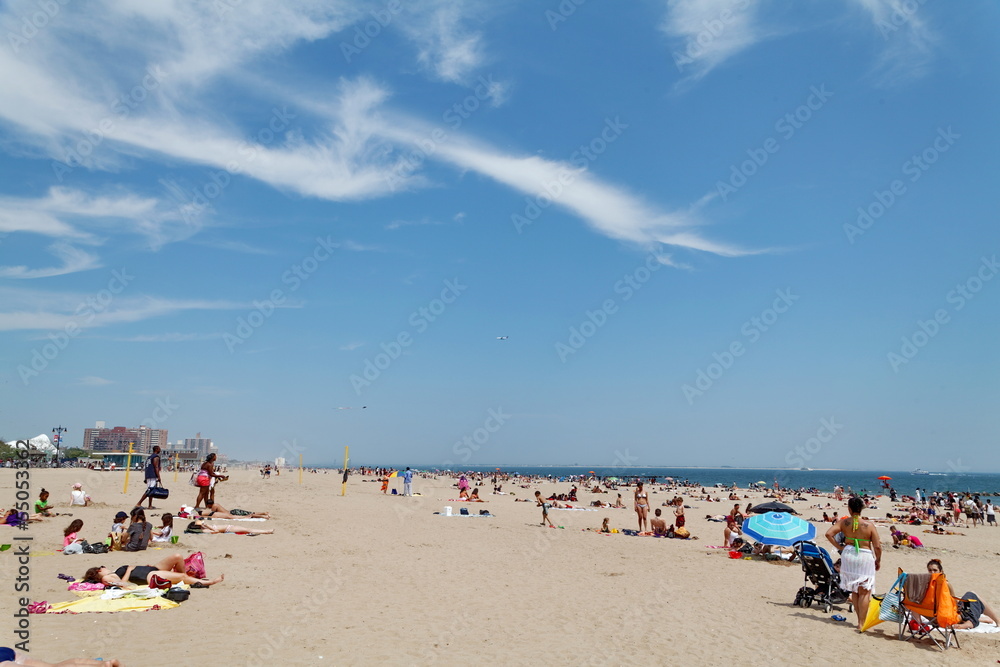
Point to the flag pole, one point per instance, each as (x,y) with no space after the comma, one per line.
(128,466)
(300,468)
(343,486)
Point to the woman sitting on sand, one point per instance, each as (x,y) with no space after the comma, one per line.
(164,574)
(464,494)
(731,531)
(202,526)
(619,503)
(474,498)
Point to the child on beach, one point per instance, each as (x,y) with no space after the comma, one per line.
(540,502)
(70,534)
(117,534)
(163,534)
(139,532)
(42,504)
(78,496)
(605,528)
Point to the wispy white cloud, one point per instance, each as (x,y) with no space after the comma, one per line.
(908,39)
(73,261)
(31,309)
(446,44)
(94,381)
(169,338)
(609,209)
(359,146)
(73,216)
(707,33)
(399,223)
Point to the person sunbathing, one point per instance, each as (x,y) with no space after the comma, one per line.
(167,572)
(463,494)
(619,503)
(216,511)
(202,526)
(474,498)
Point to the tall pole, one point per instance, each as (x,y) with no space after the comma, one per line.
(58,430)
(128,466)
(177,458)
(343,485)
(300,468)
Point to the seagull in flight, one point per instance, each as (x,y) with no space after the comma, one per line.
(502,337)
(352,407)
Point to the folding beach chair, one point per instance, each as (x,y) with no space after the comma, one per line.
(934,615)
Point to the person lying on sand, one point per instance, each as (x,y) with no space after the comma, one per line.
(216,511)
(169,571)
(202,526)
(938,530)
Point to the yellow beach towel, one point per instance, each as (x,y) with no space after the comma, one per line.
(89,604)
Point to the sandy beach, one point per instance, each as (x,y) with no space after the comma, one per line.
(372,579)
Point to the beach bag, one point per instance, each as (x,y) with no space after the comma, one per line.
(194,565)
(203,479)
(891,608)
(465,511)
(177,594)
(158,492)
(74,548)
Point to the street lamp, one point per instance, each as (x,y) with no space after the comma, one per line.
(58,430)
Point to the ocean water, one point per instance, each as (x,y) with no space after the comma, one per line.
(858,480)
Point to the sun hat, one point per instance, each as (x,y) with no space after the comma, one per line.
(78,486)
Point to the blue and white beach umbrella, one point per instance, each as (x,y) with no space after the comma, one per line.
(778,528)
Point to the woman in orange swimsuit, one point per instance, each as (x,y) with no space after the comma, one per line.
(641,507)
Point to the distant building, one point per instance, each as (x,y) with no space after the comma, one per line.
(115,440)
(203,446)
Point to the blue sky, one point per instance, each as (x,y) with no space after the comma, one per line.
(724,232)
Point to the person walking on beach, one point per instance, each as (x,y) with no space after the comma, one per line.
(642,507)
(861,556)
(152,476)
(540,502)
(408,482)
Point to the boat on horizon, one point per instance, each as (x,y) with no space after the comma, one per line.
(918,471)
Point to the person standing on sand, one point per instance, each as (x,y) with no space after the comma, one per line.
(861,556)
(679,519)
(385,484)
(408,482)
(152,476)
(540,502)
(642,507)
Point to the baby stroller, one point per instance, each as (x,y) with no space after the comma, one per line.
(825,589)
